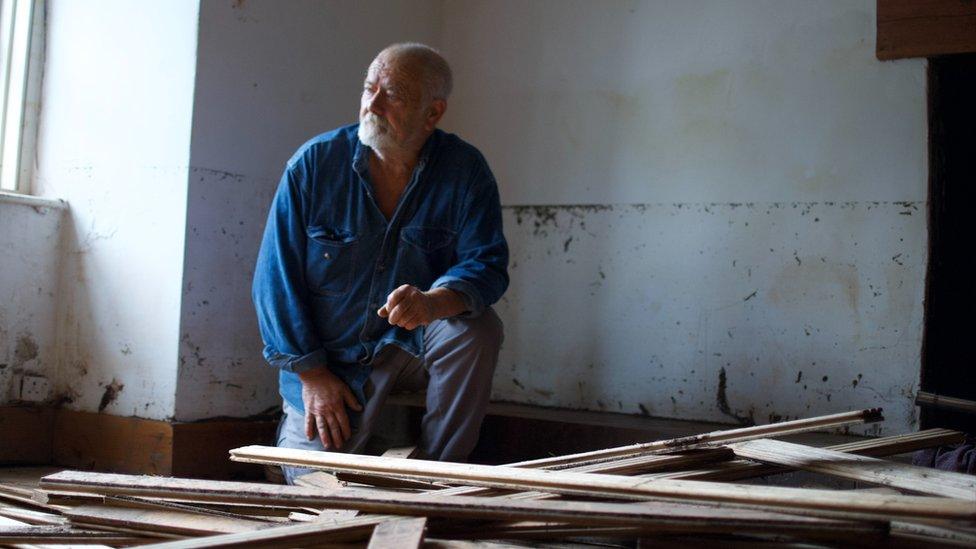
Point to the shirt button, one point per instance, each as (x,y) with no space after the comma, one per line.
(327,255)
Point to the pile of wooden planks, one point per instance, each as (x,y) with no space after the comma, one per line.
(677,491)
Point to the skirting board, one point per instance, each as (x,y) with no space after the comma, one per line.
(511,433)
(26,435)
(102,442)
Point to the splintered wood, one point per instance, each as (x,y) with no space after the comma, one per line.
(675,491)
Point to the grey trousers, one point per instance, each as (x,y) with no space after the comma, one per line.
(456,372)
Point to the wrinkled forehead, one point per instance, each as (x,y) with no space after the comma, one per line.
(397,69)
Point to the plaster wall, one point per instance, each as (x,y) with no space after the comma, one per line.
(114,142)
(30,252)
(270,75)
(725,201)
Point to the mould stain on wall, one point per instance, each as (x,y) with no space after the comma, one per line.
(684,302)
(26,350)
(111,393)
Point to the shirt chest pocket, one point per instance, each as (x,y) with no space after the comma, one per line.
(330,263)
(429,250)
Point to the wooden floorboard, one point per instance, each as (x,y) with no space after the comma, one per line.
(921,480)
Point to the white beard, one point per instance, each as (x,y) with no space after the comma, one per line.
(375,133)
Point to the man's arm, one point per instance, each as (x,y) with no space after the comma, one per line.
(480,276)
(281,300)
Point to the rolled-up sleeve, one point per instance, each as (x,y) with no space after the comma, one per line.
(480,274)
(279,291)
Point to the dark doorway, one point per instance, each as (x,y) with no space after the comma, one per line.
(949,345)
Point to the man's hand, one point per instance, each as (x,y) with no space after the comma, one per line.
(326,397)
(408,307)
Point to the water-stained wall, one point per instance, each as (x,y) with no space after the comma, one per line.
(742,312)
(716,209)
(30,249)
(114,143)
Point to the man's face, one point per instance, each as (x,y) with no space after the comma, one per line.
(392,111)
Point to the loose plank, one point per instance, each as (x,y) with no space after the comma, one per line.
(705,440)
(399,533)
(867,469)
(739,469)
(159,520)
(283,537)
(885,446)
(592,484)
(10,535)
(650,516)
(950,403)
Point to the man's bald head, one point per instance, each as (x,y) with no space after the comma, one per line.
(422,62)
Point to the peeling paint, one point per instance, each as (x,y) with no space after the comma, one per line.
(671,281)
(721,398)
(25,350)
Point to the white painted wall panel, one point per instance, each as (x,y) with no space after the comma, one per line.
(759,176)
(114,141)
(760,182)
(29,260)
(579,102)
(802,308)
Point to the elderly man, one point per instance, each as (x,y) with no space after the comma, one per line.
(381,257)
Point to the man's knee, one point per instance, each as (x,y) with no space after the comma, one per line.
(489,328)
(485,330)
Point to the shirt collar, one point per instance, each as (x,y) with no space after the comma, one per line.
(360,158)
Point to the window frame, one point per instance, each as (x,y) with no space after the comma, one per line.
(21,68)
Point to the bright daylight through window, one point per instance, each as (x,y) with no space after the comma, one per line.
(21,45)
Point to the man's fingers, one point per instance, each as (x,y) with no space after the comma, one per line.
(396,297)
(395,314)
(309,426)
(383,311)
(323,429)
(335,430)
(411,320)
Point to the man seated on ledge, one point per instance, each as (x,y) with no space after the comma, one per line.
(381,257)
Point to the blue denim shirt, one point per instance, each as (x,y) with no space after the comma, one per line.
(329,258)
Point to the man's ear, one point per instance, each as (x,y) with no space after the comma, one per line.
(434,113)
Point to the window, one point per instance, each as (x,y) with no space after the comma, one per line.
(21,57)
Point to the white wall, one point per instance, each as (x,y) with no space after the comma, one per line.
(761,180)
(270,75)
(759,176)
(710,190)
(114,141)
(30,251)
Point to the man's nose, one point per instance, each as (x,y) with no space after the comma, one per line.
(375,102)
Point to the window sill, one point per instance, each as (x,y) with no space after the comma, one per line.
(32,201)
